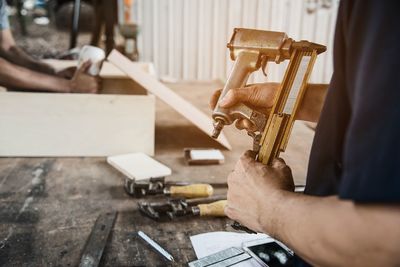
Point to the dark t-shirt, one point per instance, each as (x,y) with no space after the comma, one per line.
(356,149)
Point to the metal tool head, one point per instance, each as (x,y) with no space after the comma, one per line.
(309,46)
(152,186)
(148,210)
(164,211)
(173,208)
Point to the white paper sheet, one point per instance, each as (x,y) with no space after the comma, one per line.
(210,243)
(206,154)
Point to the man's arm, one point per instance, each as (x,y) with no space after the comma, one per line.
(325,231)
(19,70)
(312,103)
(12,75)
(12,53)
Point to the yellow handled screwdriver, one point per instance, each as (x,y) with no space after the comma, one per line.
(190,191)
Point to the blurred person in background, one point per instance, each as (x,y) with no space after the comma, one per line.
(19,71)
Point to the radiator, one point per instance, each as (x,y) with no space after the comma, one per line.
(186,39)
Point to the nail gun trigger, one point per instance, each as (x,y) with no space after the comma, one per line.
(264,61)
(237,226)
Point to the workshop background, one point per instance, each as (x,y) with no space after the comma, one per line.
(186,39)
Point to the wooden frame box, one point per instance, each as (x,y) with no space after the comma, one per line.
(119,120)
(67,125)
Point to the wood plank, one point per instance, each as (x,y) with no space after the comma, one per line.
(118,86)
(185,108)
(108,70)
(42,124)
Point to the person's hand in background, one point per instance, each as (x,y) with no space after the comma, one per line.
(82,82)
(67,73)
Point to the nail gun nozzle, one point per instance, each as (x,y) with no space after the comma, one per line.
(218,125)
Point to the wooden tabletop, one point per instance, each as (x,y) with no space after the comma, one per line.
(48,205)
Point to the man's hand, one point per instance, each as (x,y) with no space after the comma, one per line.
(251,186)
(67,73)
(84,83)
(258,97)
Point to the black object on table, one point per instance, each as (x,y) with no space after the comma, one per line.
(97,240)
(75,23)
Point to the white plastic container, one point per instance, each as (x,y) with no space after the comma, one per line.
(95,55)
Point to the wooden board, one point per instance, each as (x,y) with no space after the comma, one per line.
(41,124)
(109,70)
(121,86)
(139,166)
(185,108)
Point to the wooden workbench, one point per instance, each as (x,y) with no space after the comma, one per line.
(49,205)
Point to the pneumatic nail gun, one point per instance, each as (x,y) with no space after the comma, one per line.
(253,50)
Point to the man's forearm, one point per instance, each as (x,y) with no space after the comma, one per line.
(17,56)
(12,53)
(327,231)
(15,76)
(313,101)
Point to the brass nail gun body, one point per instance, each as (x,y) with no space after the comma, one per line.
(252,50)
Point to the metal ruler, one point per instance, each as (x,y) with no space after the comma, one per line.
(224,258)
(97,241)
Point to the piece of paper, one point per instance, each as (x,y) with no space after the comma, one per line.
(206,154)
(209,243)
